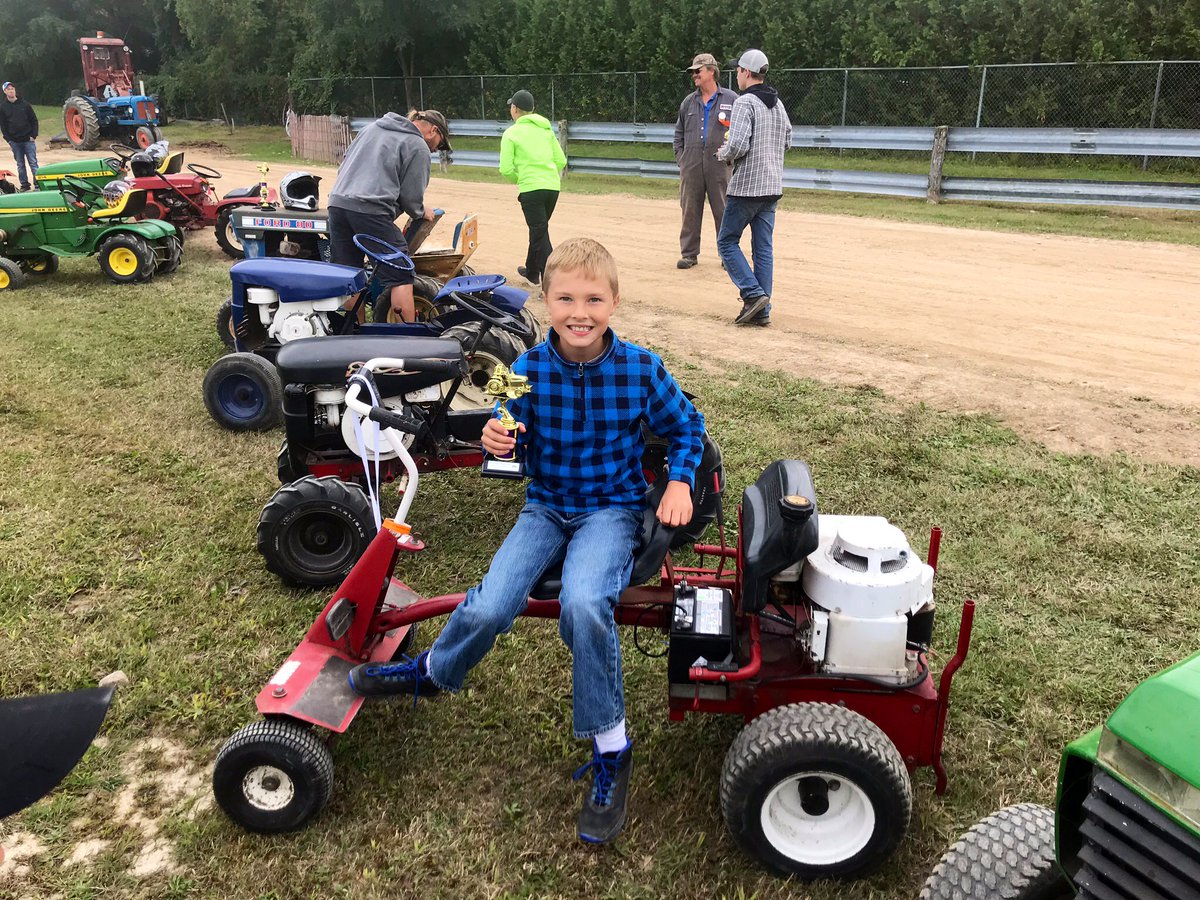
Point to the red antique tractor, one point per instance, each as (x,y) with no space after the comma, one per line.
(108,108)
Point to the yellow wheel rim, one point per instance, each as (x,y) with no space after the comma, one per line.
(5,281)
(38,266)
(123,261)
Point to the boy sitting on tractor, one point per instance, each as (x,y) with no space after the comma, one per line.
(591,393)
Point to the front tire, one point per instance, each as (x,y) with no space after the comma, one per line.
(170,255)
(11,276)
(273,776)
(1007,856)
(286,468)
(143,136)
(816,791)
(127,258)
(243,392)
(312,532)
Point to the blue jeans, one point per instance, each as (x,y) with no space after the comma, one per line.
(596,550)
(22,151)
(760,216)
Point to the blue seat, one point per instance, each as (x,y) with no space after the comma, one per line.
(296,280)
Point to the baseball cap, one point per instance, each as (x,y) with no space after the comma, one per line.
(522,100)
(700,60)
(752,61)
(6,86)
(438,121)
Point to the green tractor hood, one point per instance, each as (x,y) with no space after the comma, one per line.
(99,171)
(1161,718)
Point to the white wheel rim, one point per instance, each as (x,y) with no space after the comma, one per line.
(470,395)
(268,788)
(817,826)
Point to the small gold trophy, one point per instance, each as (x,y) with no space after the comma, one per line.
(505,386)
(264,193)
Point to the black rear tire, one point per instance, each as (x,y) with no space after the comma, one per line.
(243,392)
(273,776)
(425,289)
(496,347)
(312,532)
(227,240)
(39,266)
(816,791)
(1007,856)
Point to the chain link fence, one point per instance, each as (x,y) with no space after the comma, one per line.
(1082,95)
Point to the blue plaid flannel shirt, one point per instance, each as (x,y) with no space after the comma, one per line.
(583,441)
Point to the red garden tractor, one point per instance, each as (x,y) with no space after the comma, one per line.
(108,108)
(813,629)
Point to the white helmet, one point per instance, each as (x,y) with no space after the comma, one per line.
(299,190)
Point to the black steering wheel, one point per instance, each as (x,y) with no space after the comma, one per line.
(203,171)
(125,154)
(383,253)
(492,314)
(78,188)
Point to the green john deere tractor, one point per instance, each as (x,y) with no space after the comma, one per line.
(1127,821)
(37,228)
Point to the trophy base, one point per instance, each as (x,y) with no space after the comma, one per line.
(502,468)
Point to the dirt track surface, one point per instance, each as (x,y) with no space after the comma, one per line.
(1086,345)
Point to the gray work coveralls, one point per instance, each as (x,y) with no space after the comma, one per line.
(700,173)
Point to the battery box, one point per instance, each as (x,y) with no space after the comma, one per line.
(701,632)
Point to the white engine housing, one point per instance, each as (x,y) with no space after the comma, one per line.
(292,321)
(864,580)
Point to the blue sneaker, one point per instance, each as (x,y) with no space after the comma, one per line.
(603,812)
(411,676)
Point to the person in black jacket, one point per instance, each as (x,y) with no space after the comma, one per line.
(19,125)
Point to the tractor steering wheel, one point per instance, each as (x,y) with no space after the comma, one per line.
(492,314)
(78,188)
(123,153)
(383,253)
(203,171)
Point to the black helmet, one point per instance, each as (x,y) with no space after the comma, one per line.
(142,164)
(299,190)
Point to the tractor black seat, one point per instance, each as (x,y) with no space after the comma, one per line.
(326,360)
(771,541)
(658,540)
(238,193)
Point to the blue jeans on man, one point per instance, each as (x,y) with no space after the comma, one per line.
(25,151)
(596,549)
(759,214)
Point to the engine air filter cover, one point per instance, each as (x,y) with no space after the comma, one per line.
(864,567)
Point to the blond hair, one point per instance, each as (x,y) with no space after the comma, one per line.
(581,255)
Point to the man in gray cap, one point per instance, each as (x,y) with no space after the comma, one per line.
(531,156)
(701,128)
(384,174)
(759,133)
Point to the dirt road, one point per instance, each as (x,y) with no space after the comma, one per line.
(1086,345)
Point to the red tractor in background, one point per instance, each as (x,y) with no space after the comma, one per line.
(107,108)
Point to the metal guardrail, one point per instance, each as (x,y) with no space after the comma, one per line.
(1101,141)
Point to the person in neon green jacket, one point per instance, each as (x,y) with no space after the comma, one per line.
(531,157)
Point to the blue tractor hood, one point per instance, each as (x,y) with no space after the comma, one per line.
(295,280)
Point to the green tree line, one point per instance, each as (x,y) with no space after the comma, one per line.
(242,58)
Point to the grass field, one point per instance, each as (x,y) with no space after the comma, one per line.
(127,542)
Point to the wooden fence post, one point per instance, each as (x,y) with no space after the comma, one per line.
(941,135)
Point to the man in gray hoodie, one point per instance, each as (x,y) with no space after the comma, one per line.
(384,174)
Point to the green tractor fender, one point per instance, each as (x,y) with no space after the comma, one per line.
(98,171)
(150,229)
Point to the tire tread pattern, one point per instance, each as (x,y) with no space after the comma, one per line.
(1007,856)
(801,728)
